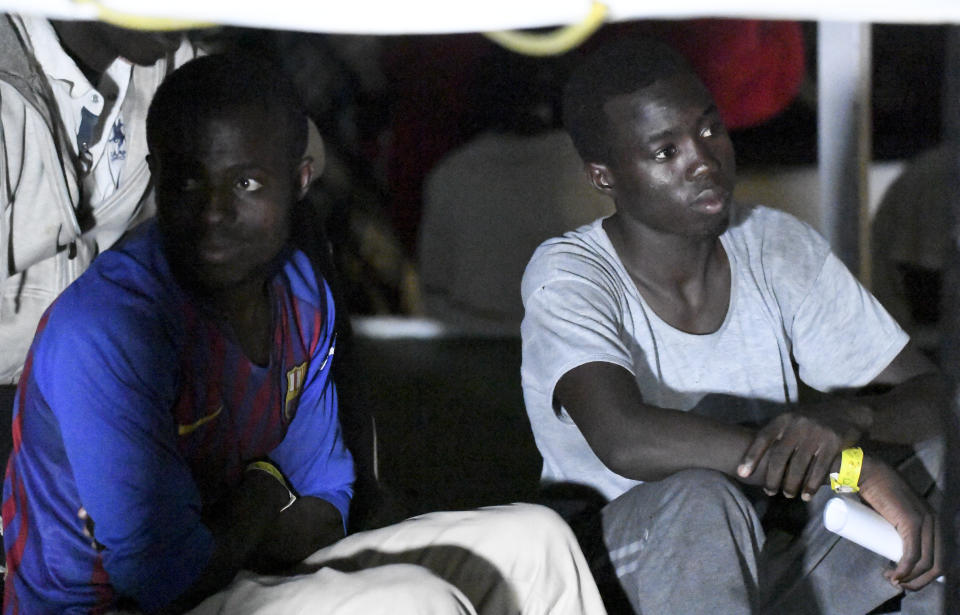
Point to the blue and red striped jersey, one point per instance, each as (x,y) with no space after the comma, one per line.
(138,406)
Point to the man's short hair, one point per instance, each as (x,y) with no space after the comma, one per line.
(618,68)
(211,86)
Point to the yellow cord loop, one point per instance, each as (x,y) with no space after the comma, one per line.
(552,43)
(140,22)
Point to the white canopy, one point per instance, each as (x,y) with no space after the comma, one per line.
(439,16)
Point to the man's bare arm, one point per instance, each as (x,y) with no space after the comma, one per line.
(646,442)
(812,435)
(913,409)
(641,441)
(238,527)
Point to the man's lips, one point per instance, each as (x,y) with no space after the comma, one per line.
(711,200)
(217,250)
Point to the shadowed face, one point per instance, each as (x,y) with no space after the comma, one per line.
(224,199)
(97,44)
(139,47)
(671,166)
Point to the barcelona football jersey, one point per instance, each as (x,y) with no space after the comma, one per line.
(137,405)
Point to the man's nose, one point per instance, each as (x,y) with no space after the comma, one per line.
(702,160)
(219,208)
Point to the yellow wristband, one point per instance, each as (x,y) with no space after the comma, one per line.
(848,478)
(269,468)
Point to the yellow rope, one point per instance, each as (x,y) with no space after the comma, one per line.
(552,43)
(140,22)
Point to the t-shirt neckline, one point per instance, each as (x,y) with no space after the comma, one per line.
(653,315)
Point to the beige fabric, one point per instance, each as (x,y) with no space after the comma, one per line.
(498,561)
(487,206)
(912,227)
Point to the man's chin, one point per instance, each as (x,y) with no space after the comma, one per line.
(206,279)
(717,223)
(215,278)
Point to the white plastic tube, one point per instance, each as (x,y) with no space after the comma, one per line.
(861,524)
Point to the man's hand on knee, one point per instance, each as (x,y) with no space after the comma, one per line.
(800,447)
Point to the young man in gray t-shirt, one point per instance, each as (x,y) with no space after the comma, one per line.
(659,354)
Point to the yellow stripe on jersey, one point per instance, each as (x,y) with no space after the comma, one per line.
(185,429)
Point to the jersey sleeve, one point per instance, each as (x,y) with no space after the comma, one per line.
(109,376)
(571,317)
(313,454)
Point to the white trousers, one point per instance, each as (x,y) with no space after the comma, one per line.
(502,560)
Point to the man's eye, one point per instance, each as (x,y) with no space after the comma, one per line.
(664,153)
(248,184)
(712,130)
(189,185)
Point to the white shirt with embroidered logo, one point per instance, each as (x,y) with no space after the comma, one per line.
(58,213)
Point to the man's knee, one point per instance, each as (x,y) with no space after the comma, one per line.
(530,527)
(706,485)
(694,532)
(699,485)
(535,516)
(405,588)
(689,498)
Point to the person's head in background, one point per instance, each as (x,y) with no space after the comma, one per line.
(516,93)
(94,45)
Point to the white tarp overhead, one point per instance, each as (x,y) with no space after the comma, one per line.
(438,16)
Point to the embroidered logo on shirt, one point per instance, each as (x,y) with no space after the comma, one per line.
(295,380)
(118,150)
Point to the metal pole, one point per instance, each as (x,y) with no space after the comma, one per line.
(843,82)
(950,321)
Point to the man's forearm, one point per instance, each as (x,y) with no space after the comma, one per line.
(645,442)
(909,412)
(310,524)
(237,527)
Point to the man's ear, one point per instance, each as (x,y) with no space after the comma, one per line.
(601,177)
(152,164)
(304,176)
(315,149)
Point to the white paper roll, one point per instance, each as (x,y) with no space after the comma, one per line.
(862,525)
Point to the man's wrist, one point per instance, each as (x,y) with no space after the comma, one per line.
(868,469)
(847,478)
(266,489)
(860,416)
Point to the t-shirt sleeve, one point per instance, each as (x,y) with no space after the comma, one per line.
(842,337)
(572,316)
(109,376)
(313,454)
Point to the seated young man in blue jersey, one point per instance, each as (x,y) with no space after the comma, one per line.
(176,435)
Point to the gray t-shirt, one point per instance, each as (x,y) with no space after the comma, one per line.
(790,298)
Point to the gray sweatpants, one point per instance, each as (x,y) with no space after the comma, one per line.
(693,543)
